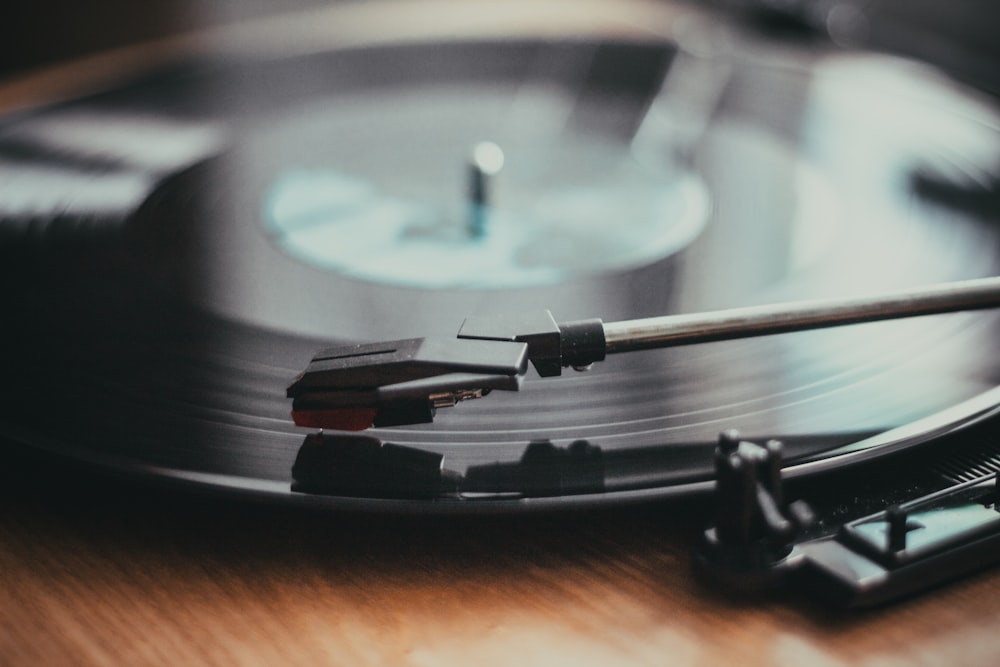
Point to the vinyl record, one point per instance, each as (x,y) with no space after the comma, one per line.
(178,245)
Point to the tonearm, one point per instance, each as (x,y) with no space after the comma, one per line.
(401,382)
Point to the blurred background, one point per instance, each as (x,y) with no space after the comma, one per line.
(48,31)
(959,35)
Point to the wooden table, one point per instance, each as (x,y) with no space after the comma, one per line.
(98,572)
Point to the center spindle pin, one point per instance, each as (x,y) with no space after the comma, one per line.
(485,163)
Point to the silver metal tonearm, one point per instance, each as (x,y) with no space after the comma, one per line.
(404,382)
(670,330)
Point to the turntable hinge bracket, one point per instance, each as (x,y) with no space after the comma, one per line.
(757,543)
(748,547)
(907,547)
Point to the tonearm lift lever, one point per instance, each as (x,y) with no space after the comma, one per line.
(405,381)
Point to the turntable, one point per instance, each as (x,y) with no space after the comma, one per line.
(181,238)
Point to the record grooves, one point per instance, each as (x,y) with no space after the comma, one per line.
(181,245)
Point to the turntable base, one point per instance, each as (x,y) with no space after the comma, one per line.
(98,573)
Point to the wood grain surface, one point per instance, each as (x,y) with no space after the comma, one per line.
(101,572)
